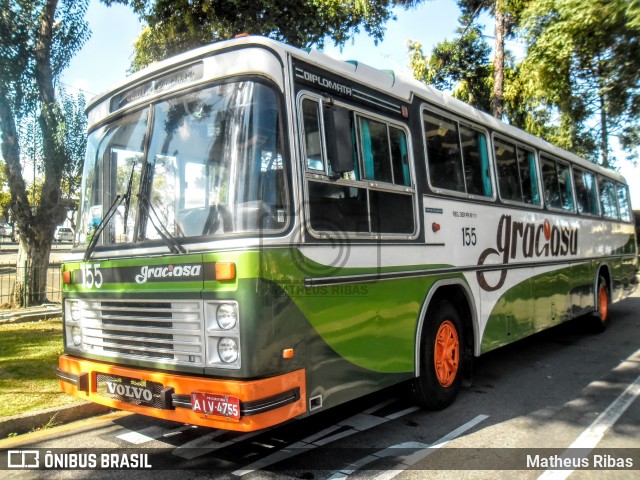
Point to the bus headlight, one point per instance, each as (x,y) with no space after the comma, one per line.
(227,316)
(228,350)
(76,336)
(75,311)
(73,323)
(222,330)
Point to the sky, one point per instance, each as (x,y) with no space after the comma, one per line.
(106,57)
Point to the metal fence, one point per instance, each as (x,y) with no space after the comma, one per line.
(9,273)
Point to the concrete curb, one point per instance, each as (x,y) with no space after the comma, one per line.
(30,421)
(30,315)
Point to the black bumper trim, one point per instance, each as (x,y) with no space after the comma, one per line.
(81,381)
(254,407)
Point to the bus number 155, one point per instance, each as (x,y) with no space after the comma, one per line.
(469,236)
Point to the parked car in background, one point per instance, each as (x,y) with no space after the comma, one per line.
(6,231)
(63,234)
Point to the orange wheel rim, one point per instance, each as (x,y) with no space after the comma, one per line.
(603,303)
(446,354)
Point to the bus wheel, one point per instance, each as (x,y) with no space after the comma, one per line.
(442,357)
(601,317)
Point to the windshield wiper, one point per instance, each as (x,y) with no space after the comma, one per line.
(127,203)
(110,213)
(166,236)
(98,231)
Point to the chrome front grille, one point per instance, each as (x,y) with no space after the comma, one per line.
(160,332)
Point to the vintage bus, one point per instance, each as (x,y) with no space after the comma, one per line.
(267,232)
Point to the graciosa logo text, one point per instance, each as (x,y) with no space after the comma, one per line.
(168,271)
(528,240)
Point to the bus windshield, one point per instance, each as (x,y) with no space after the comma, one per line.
(203,164)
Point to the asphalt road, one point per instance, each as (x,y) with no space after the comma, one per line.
(9,252)
(565,395)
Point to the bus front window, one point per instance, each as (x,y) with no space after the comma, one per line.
(218,162)
(114,154)
(213,165)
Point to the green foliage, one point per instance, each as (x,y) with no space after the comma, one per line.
(75,143)
(583,60)
(5,196)
(579,84)
(174,26)
(461,66)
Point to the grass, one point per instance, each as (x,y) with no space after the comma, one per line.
(28,360)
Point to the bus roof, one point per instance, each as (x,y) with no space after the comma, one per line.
(391,83)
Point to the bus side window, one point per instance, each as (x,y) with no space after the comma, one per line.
(384,152)
(517,174)
(312,135)
(590,182)
(476,162)
(608,202)
(565,186)
(586,193)
(508,179)
(528,176)
(376,155)
(338,208)
(399,157)
(443,153)
(550,180)
(623,202)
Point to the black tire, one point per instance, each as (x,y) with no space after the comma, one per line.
(603,300)
(439,382)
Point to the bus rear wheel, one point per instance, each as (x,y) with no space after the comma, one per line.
(441,359)
(601,316)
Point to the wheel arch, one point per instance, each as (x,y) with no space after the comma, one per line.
(604,271)
(457,291)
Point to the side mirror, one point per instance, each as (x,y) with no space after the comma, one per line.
(339,142)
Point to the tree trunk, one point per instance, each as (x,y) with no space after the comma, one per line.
(497,100)
(31,272)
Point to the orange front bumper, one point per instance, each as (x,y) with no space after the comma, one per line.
(268,401)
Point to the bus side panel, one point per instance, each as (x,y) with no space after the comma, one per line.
(624,269)
(359,337)
(532,305)
(583,295)
(511,317)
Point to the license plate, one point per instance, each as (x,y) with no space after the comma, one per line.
(215,404)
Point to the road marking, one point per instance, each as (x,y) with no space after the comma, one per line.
(422,451)
(590,438)
(350,426)
(402,413)
(150,433)
(201,446)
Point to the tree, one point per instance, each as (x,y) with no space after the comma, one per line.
(583,58)
(174,26)
(506,14)
(38,38)
(74,131)
(75,141)
(5,196)
(465,62)
(461,66)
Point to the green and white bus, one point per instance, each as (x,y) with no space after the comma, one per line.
(267,232)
